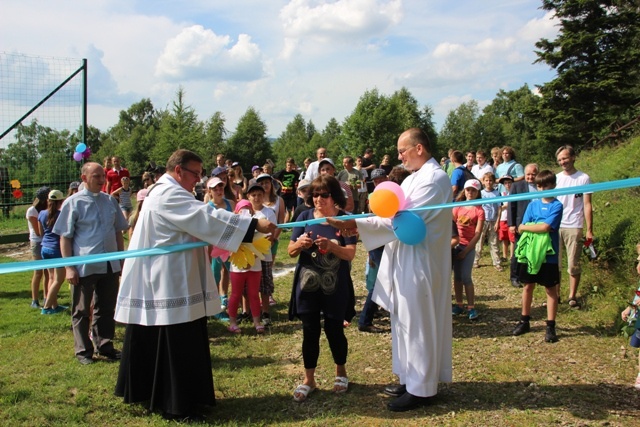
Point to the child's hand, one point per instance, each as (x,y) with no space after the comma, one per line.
(626,313)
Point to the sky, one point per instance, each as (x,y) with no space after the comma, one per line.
(284,57)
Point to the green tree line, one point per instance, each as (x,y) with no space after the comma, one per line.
(596,87)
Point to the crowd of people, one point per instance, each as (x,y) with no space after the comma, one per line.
(165,301)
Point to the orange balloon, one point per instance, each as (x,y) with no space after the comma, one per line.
(384,203)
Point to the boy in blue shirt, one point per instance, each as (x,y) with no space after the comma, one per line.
(537,254)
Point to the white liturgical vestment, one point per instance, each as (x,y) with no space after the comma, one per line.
(177,287)
(414,284)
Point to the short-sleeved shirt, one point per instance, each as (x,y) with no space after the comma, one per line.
(289,181)
(517,171)
(549,213)
(479,171)
(322,282)
(32,212)
(573,212)
(353,178)
(458,179)
(466,218)
(114,177)
(91,220)
(490,209)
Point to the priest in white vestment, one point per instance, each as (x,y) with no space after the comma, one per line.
(414,281)
(165,300)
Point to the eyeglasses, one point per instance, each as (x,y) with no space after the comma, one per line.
(404,150)
(197,174)
(323,195)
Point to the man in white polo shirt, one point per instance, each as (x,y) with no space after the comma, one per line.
(576,213)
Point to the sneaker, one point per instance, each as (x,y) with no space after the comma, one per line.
(457,310)
(266,319)
(499,268)
(222,317)
(224,301)
(637,384)
(56,310)
(272,302)
(35,304)
(521,328)
(516,283)
(473,314)
(550,335)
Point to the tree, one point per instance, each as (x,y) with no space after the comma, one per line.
(293,142)
(596,56)
(459,130)
(179,129)
(214,137)
(378,120)
(134,136)
(249,144)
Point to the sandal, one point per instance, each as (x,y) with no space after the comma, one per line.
(573,303)
(301,392)
(260,329)
(342,384)
(234,329)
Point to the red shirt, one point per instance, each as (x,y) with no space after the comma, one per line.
(114,177)
(466,219)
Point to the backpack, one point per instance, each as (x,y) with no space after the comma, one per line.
(467,174)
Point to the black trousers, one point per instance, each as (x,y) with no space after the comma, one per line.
(311,330)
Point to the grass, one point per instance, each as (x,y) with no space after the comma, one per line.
(584,379)
(499,380)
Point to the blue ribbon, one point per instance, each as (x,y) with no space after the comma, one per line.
(17,267)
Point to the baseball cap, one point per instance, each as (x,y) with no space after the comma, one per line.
(42,193)
(263,176)
(74,185)
(255,167)
(213,182)
(242,204)
(217,171)
(473,183)
(326,160)
(234,164)
(505,178)
(253,184)
(56,195)
(304,183)
(378,173)
(141,194)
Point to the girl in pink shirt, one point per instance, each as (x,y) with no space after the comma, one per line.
(469,220)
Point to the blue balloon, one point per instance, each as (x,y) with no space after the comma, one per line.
(409,228)
(81,147)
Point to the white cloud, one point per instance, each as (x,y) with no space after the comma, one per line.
(537,28)
(341,21)
(199,53)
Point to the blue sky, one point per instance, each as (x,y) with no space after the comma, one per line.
(309,57)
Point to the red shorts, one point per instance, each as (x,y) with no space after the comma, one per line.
(504,233)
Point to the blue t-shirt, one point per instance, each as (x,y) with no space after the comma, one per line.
(490,209)
(457,179)
(549,213)
(50,239)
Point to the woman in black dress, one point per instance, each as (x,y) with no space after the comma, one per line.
(322,286)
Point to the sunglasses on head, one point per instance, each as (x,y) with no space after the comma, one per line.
(323,195)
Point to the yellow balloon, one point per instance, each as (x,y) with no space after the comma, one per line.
(384,203)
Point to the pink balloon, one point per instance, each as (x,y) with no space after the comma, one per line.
(395,189)
(216,252)
(87,153)
(77,156)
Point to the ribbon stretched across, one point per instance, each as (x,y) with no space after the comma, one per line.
(16,267)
